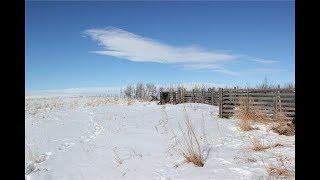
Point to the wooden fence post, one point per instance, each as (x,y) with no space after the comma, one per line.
(202,96)
(182,96)
(193,96)
(212,102)
(248,100)
(279,99)
(220,102)
(275,103)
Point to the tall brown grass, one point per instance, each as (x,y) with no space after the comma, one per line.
(191,149)
(282,126)
(247,112)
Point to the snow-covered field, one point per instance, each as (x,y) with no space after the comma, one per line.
(93,138)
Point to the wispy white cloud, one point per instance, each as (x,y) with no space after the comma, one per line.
(122,44)
(201,66)
(228,72)
(125,45)
(269,70)
(213,67)
(265,61)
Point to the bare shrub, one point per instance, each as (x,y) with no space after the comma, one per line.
(190,147)
(266,84)
(247,112)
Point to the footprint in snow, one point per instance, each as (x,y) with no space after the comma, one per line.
(66,145)
(161,175)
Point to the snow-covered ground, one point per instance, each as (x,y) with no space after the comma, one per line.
(93,138)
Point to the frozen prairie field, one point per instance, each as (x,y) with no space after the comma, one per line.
(99,138)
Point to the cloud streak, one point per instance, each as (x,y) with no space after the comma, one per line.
(264,61)
(269,70)
(125,45)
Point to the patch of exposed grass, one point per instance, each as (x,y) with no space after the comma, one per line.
(258,145)
(282,126)
(246,125)
(130,101)
(246,159)
(277,145)
(280,170)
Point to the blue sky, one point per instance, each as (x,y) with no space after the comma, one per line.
(93,44)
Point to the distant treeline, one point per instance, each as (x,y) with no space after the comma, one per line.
(146,91)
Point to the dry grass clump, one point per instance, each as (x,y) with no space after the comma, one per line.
(277,144)
(283,129)
(38,106)
(130,101)
(245,125)
(280,170)
(282,126)
(250,113)
(246,159)
(250,159)
(257,145)
(101,100)
(117,159)
(191,148)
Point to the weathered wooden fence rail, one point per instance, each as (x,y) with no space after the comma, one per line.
(201,96)
(268,101)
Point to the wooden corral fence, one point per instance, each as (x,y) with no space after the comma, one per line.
(268,101)
(209,96)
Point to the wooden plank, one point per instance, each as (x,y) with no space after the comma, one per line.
(292,104)
(288,108)
(259,90)
(220,102)
(228,110)
(251,98)
(258,94)
(263,111)
(259,99)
